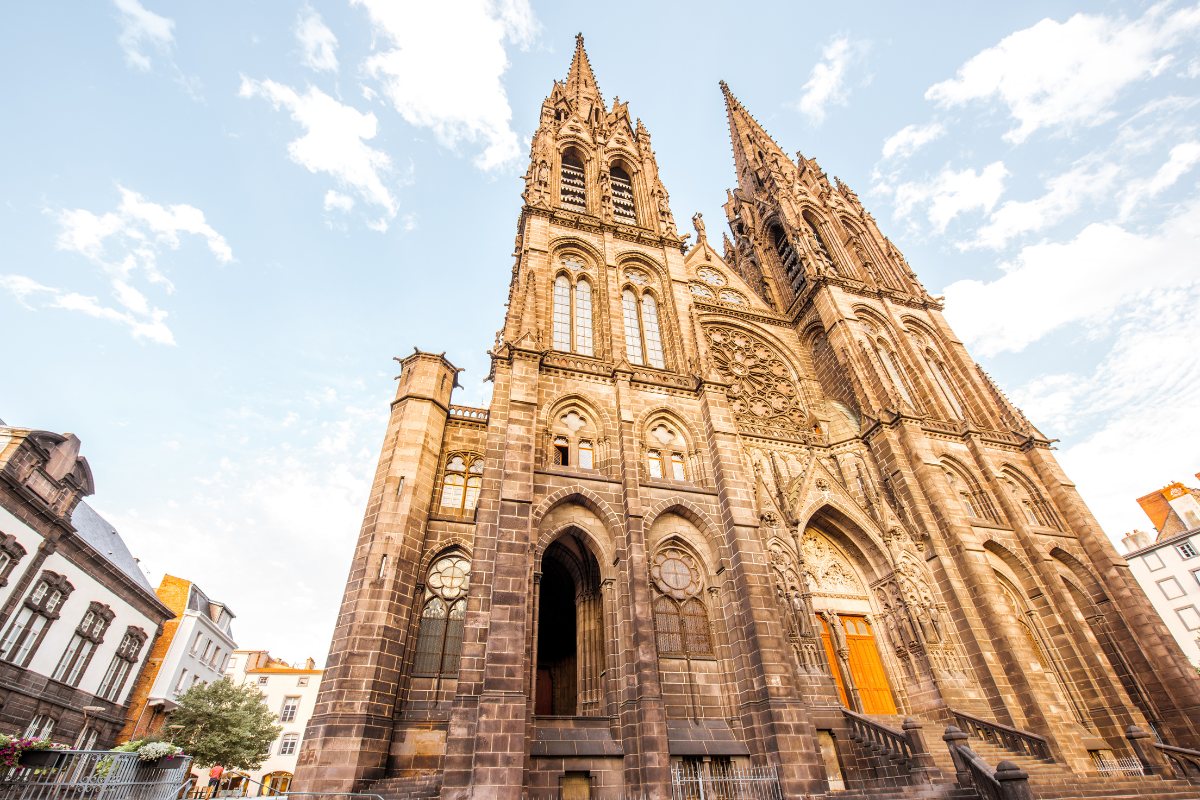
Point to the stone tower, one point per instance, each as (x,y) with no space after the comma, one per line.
(723,504)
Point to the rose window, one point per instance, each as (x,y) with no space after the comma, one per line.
(761,389)
(675,574)
(450,577)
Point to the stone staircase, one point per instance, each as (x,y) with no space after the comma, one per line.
(1048,780)
(416,787)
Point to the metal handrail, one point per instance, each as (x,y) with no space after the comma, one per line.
(1024,742)
(96,774)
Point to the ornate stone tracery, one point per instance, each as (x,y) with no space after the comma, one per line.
(761,388)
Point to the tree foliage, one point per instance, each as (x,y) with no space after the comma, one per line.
(224,723)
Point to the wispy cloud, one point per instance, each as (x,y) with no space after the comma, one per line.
(125,244)
(1059,75)
(334,141)
(318,41)
(1065,194)
(1051,284)
(950,193)
(1183,158)
(907,141)
(444,69)
(827,82)
(141,28)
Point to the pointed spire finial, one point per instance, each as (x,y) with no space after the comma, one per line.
(580,80)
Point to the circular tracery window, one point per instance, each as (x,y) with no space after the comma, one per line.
(710,276)
(675,574)
(450,577)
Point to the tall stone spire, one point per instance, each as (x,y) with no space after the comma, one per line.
(581,85)
(753,147)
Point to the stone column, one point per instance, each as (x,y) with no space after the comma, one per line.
(589,649)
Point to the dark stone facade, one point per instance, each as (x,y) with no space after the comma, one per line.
(721,495)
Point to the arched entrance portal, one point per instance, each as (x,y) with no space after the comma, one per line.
(842,601)
(570,642)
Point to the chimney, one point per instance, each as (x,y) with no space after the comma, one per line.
(1136,540)
(310,664)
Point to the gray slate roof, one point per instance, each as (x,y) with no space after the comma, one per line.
(104,539)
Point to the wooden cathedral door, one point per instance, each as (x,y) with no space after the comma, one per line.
(867,669)
(833,663)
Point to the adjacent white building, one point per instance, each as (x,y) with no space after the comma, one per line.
(77,615)
(291,692)
(195,648)
(1167,564)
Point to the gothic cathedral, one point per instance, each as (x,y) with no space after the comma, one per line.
(745,505)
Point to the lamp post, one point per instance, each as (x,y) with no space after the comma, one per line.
(87,712)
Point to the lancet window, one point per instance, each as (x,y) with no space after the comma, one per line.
(643,338)
(814,229)
(680,618)
(461,484)
(439,639)
(663,460)
(622,196)
(940,378)
(573,189)
(573,316)
(793,269)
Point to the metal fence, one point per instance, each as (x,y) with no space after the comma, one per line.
(722,781)
(1120,765)
(94,775)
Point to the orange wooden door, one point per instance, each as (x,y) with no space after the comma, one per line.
(866,668)
(833,662)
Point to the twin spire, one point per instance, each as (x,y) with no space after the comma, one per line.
(751,143)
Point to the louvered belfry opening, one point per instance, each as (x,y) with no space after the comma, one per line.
(792,267)
(573,187)
(622,193)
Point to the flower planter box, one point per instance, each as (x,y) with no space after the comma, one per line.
(166,762)
(39,758)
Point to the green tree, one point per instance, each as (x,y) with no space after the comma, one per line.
(226,724)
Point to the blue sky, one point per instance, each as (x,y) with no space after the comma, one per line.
(221,221)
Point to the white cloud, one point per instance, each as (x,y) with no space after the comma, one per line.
(333,141)
(1065,194)
(445,66)
(337,200)
(142,27)
(317,40)
(1183,157)
(950,193)
(907,141)
(1137,410)
(253,493)
(827,81)
(1051,284)
(124,243)
(1065,74)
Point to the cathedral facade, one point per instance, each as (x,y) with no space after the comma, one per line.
(728,501)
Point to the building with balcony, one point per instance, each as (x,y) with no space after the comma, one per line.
(194,648)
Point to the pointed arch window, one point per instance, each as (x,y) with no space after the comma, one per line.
(643,336)
(573,189)
(633,328)
(888,359)
(822,251)
(439,639)
(622,195)
(939,377)
(680,619)
(788,260)
(580,311)
(461,484)
(562,313)
(654,352)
